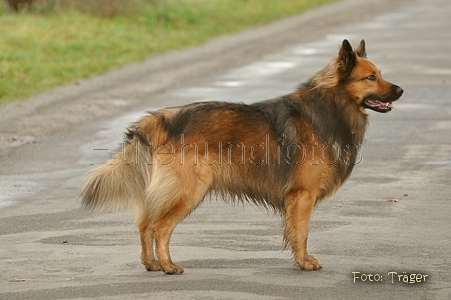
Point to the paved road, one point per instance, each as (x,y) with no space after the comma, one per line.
(390,219)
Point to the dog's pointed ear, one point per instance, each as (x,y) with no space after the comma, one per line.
(347,58)
(361,51)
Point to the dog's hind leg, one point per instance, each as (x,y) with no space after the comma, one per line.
(147,240)
(164,227)
(191,187)
(298,209)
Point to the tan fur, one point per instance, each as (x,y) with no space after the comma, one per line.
(120,182)
(284,154)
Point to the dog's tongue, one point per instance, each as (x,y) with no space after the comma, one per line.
(381,105)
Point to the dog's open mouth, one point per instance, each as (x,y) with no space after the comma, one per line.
(377,105)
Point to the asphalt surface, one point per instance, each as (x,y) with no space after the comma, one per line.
(391,219)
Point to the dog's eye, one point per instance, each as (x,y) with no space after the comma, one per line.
(372,77)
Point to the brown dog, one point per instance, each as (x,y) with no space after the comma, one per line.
(284,154)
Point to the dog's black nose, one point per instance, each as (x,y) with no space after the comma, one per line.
(399,91)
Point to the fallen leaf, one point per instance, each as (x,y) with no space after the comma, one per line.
(393,200)
(18,280)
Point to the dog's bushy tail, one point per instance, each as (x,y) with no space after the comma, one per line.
(120,182)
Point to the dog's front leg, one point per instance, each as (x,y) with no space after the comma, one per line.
(298,209)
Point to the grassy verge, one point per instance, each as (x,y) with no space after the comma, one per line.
(41,50)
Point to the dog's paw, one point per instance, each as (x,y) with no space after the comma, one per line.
(172,269)
(309,263)
(152,265)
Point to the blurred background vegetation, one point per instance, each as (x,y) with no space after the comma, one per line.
(45,43)
(108,8)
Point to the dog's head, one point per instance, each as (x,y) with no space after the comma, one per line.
(363,81)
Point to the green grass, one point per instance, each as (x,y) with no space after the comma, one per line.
(39,51)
